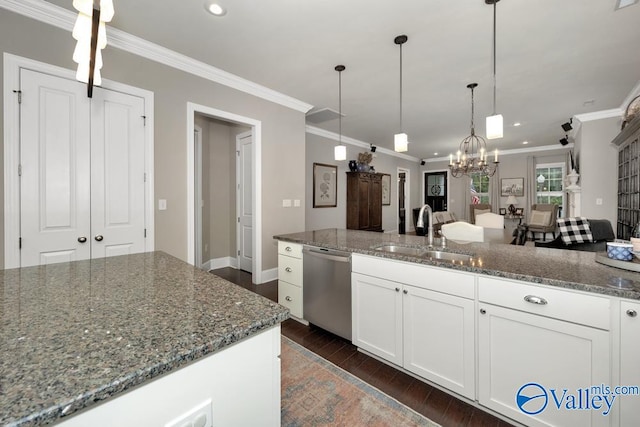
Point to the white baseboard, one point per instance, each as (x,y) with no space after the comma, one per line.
(269,275)
(215,263)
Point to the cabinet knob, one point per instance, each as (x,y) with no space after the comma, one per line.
(632,313)
(82,239)
(288,269)
(288,298)
(397,289)
(405,292)
(483,311)
(288,249)
(535,300)
(99,238)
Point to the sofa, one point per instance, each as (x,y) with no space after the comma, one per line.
(601,231)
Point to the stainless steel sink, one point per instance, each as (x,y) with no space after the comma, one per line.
(425,253)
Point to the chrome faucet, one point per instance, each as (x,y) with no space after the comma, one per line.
(420,223)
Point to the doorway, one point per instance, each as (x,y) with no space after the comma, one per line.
(253,164)
(403,199)
(436,190)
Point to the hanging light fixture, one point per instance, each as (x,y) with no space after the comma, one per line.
(340,151)
(91,35)
(494,122)
(472,154)
(400,140)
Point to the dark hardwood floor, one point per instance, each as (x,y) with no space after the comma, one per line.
(434,404)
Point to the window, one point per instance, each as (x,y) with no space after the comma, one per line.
(479,189)
(550,183)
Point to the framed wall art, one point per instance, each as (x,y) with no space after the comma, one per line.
(512,186)
(386,189)
(325,186)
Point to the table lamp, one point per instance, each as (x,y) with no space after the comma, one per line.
(512,201)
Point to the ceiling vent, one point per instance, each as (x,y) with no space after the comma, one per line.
(322,115)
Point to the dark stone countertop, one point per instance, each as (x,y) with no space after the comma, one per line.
(74,334)
(556,267)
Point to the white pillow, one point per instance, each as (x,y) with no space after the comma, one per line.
(540,218)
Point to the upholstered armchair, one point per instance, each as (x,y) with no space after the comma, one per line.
(490,220)
(543,220)
(478,209)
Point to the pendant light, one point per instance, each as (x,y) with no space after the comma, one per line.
(494,122)
(400,140)
(340,151)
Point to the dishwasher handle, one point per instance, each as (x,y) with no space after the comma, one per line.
(333,256)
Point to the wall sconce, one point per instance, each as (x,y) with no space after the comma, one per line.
(91,34)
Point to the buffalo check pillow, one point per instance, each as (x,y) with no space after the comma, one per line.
(574,230)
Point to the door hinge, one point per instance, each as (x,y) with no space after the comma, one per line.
(144,120)
(238,219)
(19,242)
(238,153)
(238,253)
(19,170)
(19,92)
(145,233)
(145,177)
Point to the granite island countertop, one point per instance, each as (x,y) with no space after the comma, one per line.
(75,334)
(555,267)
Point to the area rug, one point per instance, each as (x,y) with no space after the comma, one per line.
(316,392)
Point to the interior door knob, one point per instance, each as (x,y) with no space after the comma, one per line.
(99,238)
(82,239)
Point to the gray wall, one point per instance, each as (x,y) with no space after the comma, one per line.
(283,131)
(320,150)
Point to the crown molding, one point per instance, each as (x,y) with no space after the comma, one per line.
(352,141)
(599,115)
(514,151)
(56,16)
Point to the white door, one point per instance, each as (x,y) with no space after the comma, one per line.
(117,174)
(244,197)
(55,163)
(82,160)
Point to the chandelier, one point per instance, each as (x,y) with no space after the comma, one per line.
(472,154)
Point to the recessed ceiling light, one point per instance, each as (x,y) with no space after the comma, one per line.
(525,142)
(516,124)
(435,154)
(215,9)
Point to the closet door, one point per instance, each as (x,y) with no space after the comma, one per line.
(117,174)
(55,163)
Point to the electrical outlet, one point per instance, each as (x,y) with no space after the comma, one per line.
(599,201)
(162,204)
(286,203)
(200,416)
(296,203)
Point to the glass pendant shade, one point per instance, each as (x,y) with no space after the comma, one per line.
(340,152)
(82,33)
(400,142)
(494,126)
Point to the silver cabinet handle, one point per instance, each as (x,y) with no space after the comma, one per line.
(288,269)
(288,298)
(288,249)
(535,300)
(632,313)
(397,289)
(82,239)
(99,238)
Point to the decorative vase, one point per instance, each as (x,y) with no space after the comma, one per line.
(353,166)
(573,180)
(363,167)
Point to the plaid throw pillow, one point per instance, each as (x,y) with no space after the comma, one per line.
(574,230)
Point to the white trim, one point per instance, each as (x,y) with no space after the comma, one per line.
(599,115)
(48,13)
(512,152)
(197,139)
(269,275)
(214,264)
(352,141)
(256,164)
(12,66)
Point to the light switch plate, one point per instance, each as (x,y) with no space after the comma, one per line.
(296,203)
(162,204)
(286,203)
(599,201)
(200,416)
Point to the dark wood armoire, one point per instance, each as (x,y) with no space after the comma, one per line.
(364,201)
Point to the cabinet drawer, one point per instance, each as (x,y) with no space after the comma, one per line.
(290,269)
(290,249)
(291,297)
(571,306)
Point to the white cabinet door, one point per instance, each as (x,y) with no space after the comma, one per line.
(629,361)
(55,161)
(539,363)
(439,339)
(377,316)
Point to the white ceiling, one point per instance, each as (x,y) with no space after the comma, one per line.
(553,56)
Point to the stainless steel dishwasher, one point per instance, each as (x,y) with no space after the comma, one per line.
(326,295)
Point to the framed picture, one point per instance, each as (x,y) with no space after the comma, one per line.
(503,211)
(519,211)
(386,189)
(325,186)
(512,186)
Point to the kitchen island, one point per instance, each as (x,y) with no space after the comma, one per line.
(493,323)
(76,336)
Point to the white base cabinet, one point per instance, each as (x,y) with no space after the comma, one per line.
(629,362)
(290,281)
(412,323)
